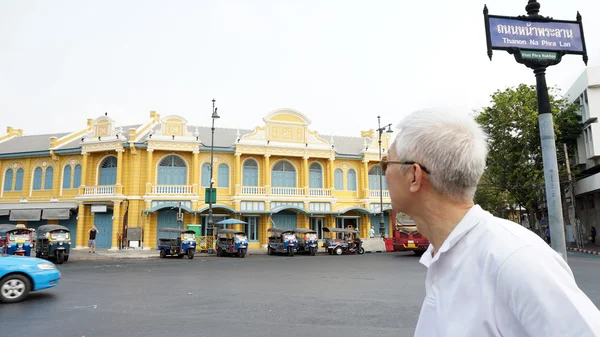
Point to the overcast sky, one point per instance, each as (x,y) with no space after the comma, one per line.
(339,62)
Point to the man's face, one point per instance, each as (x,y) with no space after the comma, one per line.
(395,177)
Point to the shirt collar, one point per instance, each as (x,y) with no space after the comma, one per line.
(468,222)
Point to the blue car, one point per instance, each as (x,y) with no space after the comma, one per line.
(21,274)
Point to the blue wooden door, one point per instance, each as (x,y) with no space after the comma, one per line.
(172,170)
(102,221)
(165,219)
(283,175)
(285,219)
(315,176)
(375,223)
(250,173)
(108,172)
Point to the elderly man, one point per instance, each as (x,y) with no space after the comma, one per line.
(486,276)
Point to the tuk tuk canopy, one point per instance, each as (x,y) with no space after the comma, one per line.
(51,228)
(229,231)
(305,231)
(339,230)
(280,230)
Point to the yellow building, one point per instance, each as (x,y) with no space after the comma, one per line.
(136,177)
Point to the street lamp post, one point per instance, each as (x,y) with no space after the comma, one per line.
(212,141)
(380,130)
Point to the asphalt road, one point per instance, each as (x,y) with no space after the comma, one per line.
(368,295)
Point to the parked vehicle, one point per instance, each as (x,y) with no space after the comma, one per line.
(407,237)
(307,241)
(3,229)
(231,242)
(174,241)
(282,241)
(20,275)
(53,242)
(346,241)
(18,240)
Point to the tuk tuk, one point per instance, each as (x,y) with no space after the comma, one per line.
(281,240)
(307,241)
(231,242)
(53,242)
(18,240)
(346,241)
(175,241)
(3,229)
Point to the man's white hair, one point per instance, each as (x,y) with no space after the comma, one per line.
(450,144)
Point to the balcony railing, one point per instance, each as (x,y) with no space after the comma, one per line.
(99,190)
(292,191)
(375,193)
(319,192)
(172,189)
(252,190)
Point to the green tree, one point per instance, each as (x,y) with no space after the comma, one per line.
(515,166)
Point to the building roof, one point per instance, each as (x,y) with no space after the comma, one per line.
(31,143)
(224,137)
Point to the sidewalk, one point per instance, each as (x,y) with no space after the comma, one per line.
(589,248)
(107,254)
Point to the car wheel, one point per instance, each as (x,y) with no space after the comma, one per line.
(14,288)
(338,251)
(163,253)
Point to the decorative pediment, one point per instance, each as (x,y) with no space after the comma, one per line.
(174,126)
(285,129)
(103,126)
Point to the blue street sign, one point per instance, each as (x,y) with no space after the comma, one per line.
(506,32)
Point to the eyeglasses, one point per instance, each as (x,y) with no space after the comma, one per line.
(385,163)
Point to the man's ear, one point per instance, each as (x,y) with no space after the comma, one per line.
(417,177)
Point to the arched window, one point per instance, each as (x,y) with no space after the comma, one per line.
(223,176)
(351,178)
(172,170)
(67,177)
(37,179)
(374,174)
(8,178)
(315,173)
(77,176)
(48,178)
(206,175)
(250,173)
(283,174)
(339,179)
(19,180)
(108,171)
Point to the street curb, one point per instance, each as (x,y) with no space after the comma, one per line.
(584,251)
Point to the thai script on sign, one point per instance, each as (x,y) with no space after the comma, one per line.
(528,30)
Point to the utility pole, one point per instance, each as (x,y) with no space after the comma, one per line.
(572,207)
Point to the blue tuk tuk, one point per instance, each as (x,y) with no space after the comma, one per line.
(231,242)
(346,241)
(175,241)
(17,240)
(53,241)
(281,240)
(307,241)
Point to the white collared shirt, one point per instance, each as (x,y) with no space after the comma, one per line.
(493,277)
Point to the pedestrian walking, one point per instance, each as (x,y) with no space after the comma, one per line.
(372,232)
(593,234)
(92,239)
(486,276)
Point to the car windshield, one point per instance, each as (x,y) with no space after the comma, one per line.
(59,236)
(19,236)
(310,236)
(289,237)
(240,237)
(189,236)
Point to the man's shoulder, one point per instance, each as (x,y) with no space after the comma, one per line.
(497,239)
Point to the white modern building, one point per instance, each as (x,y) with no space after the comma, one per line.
(586,91)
